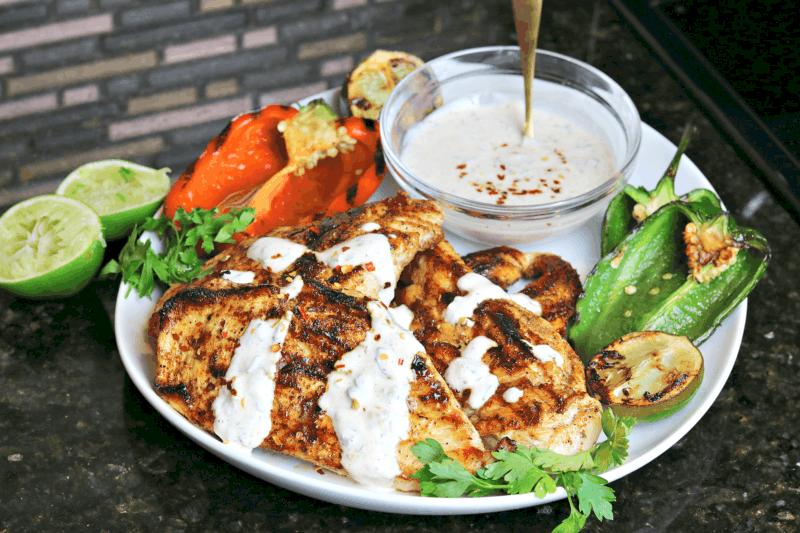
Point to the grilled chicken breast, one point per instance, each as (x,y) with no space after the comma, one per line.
(200,331)
(408,225)
(540,397)
(554,283)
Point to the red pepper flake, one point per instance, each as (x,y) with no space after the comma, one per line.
(504,145)
(462,174)
(501,177)
(369,266)
(502,167)
(556,190)
(313,229)
(302,311)
(225,334)
(338,365)
(400,362)
(462,166)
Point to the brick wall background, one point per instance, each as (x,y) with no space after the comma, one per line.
(152,81)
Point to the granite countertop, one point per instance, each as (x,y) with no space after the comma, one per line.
(81,449)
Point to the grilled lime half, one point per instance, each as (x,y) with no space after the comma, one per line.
(122,193)
(368,85)
(51,246)
(649,375)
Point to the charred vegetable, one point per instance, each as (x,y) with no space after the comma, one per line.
(634,204)
(288,165)
(248,152)
(647,375)
(680,272)
(368,86)
(334,164)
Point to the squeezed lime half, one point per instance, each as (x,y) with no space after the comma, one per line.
(51,246)
(122,193)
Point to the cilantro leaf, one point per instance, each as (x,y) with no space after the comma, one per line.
(614,450)
(574,522)
(520,472)
(595,496)
(428,451)
(444,477)
(179,262)
(534,470)
(553,461)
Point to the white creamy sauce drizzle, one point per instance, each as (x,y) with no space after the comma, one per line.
(245,419)
(275,254)
(470,372)
(293,288)
(402,315)
(367,399)
(371,250)
(545,353)
(525,301)
(239,276)
(481,153)
(512,395)
(370,227)
(479,289)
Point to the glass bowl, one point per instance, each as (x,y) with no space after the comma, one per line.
(563,86)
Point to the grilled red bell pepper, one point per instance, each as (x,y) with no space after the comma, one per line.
(334,164)
(235,164)
(326,165)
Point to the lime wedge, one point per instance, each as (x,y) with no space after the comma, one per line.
(649,375)
(122,193)
(50,245)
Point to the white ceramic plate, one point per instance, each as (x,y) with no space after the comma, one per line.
(581,248)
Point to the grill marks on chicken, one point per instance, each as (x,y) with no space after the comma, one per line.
(409,225)
(556,286)
(554,283)
(501,265)
(554,411)
(200,329)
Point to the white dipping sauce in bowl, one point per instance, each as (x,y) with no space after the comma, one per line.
(584,123)
(482,155)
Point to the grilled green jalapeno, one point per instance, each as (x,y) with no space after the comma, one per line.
(631,206)
(680,272)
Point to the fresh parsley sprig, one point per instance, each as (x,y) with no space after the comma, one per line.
(534,470)
(179,262)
